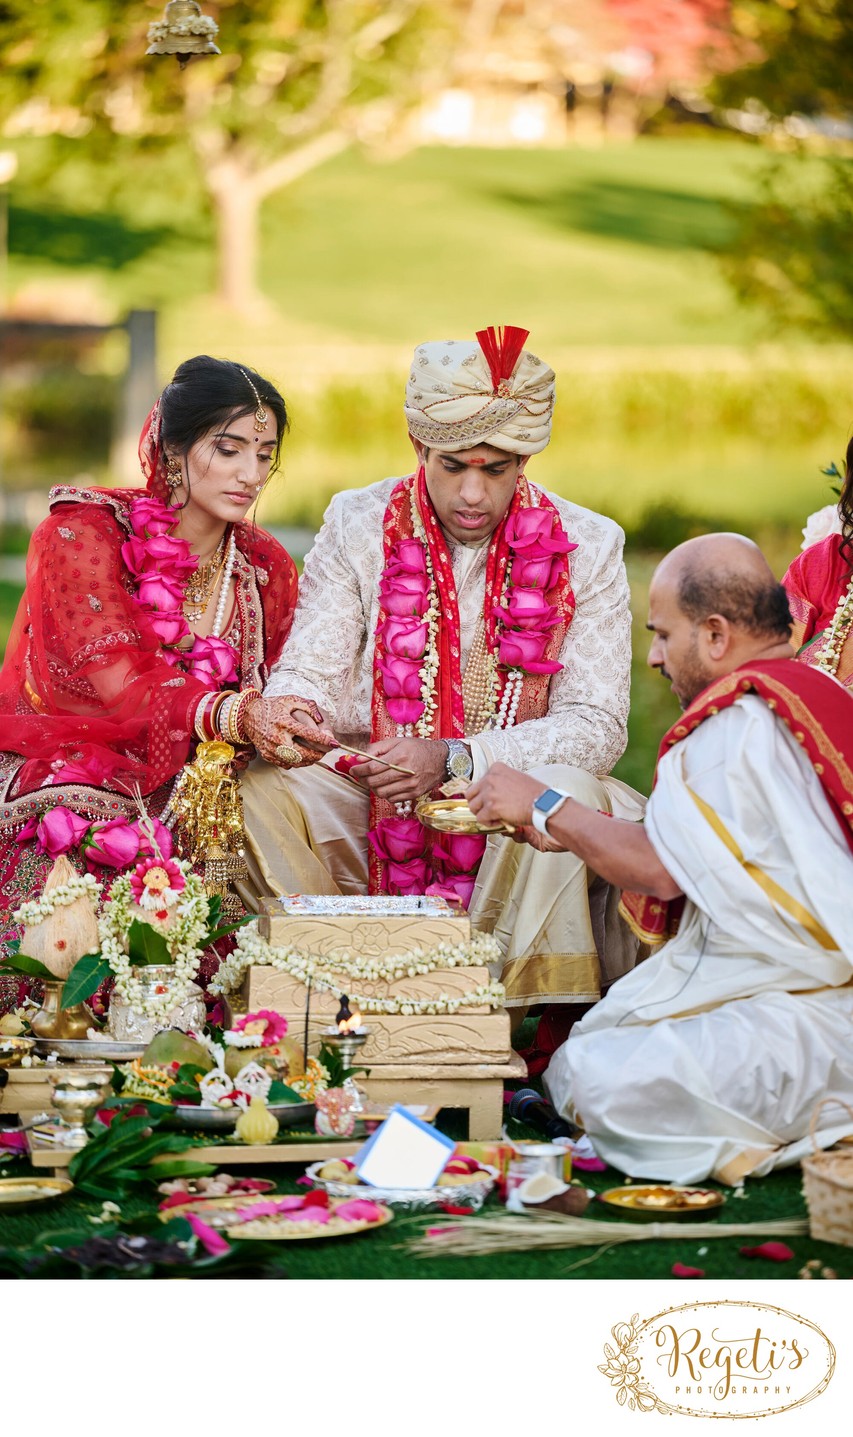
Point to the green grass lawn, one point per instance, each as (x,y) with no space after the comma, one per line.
(668,390)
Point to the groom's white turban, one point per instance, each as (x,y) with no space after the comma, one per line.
(461,393)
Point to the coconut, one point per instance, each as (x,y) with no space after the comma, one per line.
(546,1193)
(68,933)
(283,1059)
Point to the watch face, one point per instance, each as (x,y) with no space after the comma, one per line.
(545,802)
(461,764)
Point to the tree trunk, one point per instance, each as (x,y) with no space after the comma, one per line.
(237,206)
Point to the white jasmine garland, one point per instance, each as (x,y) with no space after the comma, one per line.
(183,938)
(324,973)
(37,909)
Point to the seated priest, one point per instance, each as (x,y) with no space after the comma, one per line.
(448,620)
(710,1058)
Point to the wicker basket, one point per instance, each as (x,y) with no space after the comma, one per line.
(828,1186)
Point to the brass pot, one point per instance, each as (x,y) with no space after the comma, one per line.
(54,1021)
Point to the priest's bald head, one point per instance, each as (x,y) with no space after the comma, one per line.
(714,604)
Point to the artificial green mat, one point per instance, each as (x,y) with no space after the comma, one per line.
(383,1253)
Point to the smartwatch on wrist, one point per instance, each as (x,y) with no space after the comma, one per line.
(459,763)
(545,806)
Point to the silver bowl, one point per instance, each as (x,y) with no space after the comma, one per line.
(191,1115)
(471,1195)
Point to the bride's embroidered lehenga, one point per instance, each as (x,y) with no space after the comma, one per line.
(92,711)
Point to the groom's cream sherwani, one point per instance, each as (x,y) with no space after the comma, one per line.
(307,828)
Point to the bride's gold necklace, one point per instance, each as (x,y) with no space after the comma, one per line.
(202,584)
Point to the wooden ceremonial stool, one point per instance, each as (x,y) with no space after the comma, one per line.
(460,1059)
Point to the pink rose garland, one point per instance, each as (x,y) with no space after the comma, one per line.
(538,548)
(161,566)
(527,619)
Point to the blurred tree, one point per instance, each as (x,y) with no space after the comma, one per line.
(790,250)
(802,51)
(297,82)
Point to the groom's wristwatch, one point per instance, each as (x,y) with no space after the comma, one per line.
(459,763)
(545,806)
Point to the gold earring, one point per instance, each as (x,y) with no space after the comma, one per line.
(174,472)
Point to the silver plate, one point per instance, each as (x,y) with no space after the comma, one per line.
(98,1050)
(468,1194)
(190,1115)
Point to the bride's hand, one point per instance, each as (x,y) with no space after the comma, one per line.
(273,724)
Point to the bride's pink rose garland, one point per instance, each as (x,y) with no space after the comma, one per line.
(161,566)
(527,569)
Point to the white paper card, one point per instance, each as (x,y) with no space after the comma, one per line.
(403,1153)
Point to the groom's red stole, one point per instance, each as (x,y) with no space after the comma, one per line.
(818,712)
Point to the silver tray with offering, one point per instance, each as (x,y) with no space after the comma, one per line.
(466,1194)
(193,1115)
(96,1050)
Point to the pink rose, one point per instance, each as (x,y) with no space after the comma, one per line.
(114,844)
(460,852)
(60,830)
(523,649)
(170,629)
(161,554)
(213,661)
(407,556)
(212,1241)
(537,573)
(527,609)
(455,888)
(406,878)
(80,770)
(151,516)
(162,837)
(158,591)
(404,594)
(397,840)
(401,681)
(531,533)
(405,635)
(28,831)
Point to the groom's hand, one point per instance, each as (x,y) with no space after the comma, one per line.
(426,757)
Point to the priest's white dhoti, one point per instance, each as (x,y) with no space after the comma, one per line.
(709,1059)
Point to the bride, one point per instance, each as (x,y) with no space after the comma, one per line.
(150,620)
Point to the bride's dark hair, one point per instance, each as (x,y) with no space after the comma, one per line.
(205,393)
(845,505)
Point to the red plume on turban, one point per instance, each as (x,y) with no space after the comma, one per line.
(502,347)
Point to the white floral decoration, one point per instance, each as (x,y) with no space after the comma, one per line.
(183,938)
(324,973)
(37,909)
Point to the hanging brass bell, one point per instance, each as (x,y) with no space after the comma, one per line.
(183,32)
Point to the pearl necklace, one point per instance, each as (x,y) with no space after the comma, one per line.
(842,622)
(167,817)
(230,560)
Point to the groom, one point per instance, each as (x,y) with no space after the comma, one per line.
(446,621)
